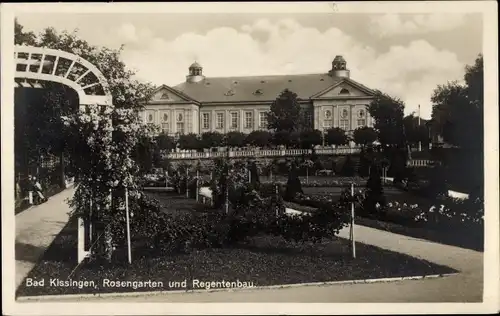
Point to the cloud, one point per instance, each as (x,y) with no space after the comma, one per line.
(395,24)
(409,72)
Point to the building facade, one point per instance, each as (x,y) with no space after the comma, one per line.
(224,104)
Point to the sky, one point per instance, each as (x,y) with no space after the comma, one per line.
(404,55)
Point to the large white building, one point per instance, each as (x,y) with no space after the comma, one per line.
(224,104)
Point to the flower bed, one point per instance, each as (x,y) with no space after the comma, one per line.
(319,182)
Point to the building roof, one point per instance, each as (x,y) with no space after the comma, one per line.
(258,88)
(195,65)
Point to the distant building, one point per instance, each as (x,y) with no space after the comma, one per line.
(224,104)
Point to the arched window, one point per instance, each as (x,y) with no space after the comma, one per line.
(150,118)
(165,96)
(165,117)
(344,91)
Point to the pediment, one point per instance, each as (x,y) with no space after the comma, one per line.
(345,88)
(167,94)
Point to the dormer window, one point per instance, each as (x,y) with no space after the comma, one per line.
(262,81)
(229,93)
(258,92)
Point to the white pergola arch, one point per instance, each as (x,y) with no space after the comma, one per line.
(36,65)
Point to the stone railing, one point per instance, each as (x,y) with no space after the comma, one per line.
(260,153)
(420,163)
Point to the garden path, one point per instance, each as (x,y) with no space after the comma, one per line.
(36,228)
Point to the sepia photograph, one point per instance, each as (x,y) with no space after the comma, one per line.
(250,153)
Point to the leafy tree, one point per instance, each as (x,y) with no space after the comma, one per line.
(126,92)
(281,138)
(366,158)
(388,113)
(235,139)
(416,133)
(284,115)
(310,138)
(212,139)
(365,136)
(457,115)
(189,141)
(23,38)
(147,153)
(336,136)
(457,111)
(259,138)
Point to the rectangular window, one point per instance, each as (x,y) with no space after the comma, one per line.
(361,122)
(234,119)
(248,120)
(180,128)
(220,120)
(263,119)
(344,124)
(206,120)
(327,124)
(165,129)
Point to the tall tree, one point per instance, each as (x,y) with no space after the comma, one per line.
(285,113)
(457,115)
(388,113)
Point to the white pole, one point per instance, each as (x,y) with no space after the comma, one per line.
(352,223)
(90,220)
(81,240)
(197,189)
(187,184)
(128,227)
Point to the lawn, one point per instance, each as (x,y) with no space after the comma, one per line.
(264,260)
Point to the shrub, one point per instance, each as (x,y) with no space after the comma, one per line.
(374,197)
(348,168)
(293,185)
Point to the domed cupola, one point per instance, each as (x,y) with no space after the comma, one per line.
(195,73)
(339,67)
